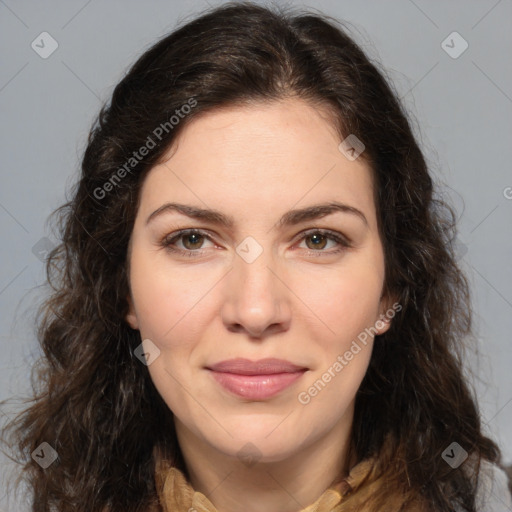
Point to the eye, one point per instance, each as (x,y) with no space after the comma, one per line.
(317,239)
(192,241)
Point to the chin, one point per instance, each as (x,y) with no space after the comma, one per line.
(261,441)
(250,451)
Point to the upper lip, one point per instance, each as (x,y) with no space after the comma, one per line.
(267,366)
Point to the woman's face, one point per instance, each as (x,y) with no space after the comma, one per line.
(260,279)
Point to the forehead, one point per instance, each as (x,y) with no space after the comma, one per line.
(260,158)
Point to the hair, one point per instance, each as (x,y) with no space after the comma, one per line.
(95,403)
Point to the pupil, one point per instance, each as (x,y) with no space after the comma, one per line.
(191,237)
(317,240)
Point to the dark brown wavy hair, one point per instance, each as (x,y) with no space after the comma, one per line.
(94,402)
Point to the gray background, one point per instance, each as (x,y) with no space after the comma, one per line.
(461,108)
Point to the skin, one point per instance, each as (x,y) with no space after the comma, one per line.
(296,301)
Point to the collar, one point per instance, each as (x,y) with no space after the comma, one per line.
(177,495)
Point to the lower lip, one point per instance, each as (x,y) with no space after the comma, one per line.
(256,387)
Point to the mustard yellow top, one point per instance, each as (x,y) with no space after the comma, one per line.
(367,487)
(177,495)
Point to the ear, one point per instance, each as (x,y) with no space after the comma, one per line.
(389,308)
(131,316)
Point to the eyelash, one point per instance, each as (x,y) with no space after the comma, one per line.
(169,240)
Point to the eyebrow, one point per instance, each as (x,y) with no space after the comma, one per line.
(290,218)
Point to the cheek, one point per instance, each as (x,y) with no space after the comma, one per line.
(165,298)
(343,303)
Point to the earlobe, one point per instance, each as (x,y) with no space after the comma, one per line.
(391,307)
(383,324)
(131,317)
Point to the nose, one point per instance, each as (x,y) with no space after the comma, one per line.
(257,300)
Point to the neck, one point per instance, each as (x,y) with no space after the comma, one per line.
(288,485)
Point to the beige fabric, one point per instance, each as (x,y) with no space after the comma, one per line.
(177,495)
(366,488)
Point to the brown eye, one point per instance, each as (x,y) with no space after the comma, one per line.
(192,241)
(318,241)
(189,242)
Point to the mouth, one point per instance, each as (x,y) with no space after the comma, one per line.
(256,380)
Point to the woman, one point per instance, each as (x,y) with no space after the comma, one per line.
(256,304)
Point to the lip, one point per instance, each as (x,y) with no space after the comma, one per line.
(256,380)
